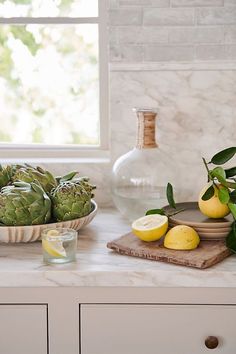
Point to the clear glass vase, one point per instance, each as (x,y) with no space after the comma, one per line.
(140,177)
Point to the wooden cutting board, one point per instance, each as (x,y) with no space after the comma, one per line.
(206,255)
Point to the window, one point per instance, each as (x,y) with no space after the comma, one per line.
(53,78)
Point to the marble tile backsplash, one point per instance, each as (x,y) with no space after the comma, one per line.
(172,30)
(196,115)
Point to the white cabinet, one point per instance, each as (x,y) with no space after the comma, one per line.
(23,329)
(157,329)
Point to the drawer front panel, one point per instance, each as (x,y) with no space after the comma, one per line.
(157,329)
(23,329)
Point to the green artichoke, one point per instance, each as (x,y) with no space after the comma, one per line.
(24,204)
(84,182)
(6,174)
(30,174)
(72,199)
(67,177)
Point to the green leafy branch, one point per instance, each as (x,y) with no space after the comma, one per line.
(226,178)
(171,201)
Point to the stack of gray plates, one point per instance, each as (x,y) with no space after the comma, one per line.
(207,229)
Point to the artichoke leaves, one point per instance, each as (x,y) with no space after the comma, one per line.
(30,174)
(71,199)
(24,203)
(6,174)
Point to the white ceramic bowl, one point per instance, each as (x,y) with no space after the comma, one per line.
(12,234)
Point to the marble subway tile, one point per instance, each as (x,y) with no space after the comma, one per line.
(230,34)
(230,2)
(162,17)
(196,35)
(211,52)
(230,51)
(146,3)
(168,53)
(113,34)
(126,53)
(113,4)
(217,16)
(144,35)
(195,3)
(125,17)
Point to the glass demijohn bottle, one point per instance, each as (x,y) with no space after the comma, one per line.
(140,177)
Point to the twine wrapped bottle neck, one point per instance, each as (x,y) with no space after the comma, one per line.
(146,138)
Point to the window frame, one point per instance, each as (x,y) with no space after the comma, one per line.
(10,152)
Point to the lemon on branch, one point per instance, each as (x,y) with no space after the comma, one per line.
(213,207)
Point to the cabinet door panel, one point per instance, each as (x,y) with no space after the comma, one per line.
(23,329)
(157,329)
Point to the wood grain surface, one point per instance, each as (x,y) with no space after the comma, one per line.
(206,255)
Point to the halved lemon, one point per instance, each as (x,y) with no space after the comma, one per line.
(54,248)
(181,237)
(150,227)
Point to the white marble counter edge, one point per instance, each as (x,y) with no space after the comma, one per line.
(160,279)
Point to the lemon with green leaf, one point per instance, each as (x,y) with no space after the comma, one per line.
(213,207)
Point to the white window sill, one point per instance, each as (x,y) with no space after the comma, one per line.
(54,156)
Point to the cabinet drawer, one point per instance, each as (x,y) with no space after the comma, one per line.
(157,329)
(23,329)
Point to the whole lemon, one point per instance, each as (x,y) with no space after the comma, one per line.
(150,227)
(213,208)
(181,237)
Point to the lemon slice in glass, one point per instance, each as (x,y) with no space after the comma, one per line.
(150,227)
(53,247)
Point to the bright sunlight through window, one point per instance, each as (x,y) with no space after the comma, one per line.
(49,73)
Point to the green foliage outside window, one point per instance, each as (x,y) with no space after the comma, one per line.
(49,82)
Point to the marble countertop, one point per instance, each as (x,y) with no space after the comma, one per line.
(21,265)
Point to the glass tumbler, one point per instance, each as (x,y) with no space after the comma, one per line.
(59,245)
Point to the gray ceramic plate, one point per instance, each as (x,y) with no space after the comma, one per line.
(205,229)
(211,236)
(192,216)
